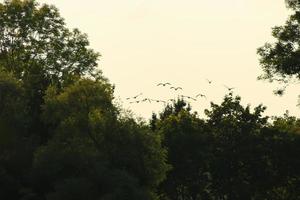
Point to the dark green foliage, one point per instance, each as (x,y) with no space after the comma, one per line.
(189,147)
(237,154)
(15,147)
(233,154)
(281,60)
(38,49)
(36,45)
(95,154)
(62,137)
(12,102)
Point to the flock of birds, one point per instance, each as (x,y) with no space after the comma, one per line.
(140,99)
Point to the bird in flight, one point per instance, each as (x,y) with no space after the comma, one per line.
(163,84)
(209,81)
(229,88)
(147,99)
(189,97)
(176,88)
(134,102)
(200,95)
(134,97)
(158,101)
(192,98)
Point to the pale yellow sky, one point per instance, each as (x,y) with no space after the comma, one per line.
(144,42)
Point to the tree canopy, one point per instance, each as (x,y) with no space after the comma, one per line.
(62,137)
(281,60)
(35,44)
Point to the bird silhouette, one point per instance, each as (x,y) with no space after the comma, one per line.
(155,100)
(158,101)
(209,81)
(163,84)
(134,97)
(192,98)
(188,97)
(229,88)
(176,88)
(201,95)
(146,99)
(137,95)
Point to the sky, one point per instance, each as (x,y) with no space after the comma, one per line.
(145,42)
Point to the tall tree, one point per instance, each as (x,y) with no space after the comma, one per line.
(16,148)
(236,131)
(38,49)
(189,144)
(61,136)
(35,42)
(280,60)
(233,154)
(94,153)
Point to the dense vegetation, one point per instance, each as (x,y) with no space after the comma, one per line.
(63,138)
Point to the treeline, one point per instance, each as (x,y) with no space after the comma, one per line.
(63,138)
(234,154)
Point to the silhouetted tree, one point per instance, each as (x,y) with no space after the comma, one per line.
(16,148)
(233,154)
(114,158)
(280,61)
(38,49)
(189,145)
(61,136)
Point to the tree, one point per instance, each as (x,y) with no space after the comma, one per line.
(12,105)
(287,123)
(239,162)
(189,144)
(113,157)
(233,154)
(75,109)
(280,61)
(16,148)
(38,49)
(61,135)
(35,42)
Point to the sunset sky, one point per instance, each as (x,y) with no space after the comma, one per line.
(144,42)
